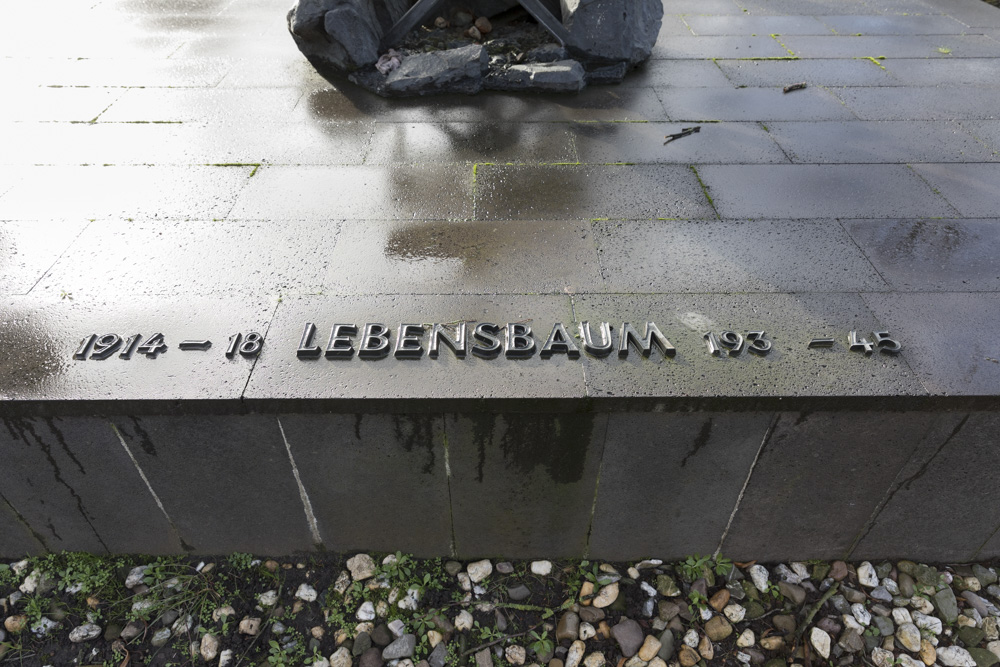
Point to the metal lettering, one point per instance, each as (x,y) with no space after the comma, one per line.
(519,343)
(714,346)
(340,346)
(408,342)
(560,341)
(487,333)
(439,334)
(306,349)
(758,343)
(374,341)
(607,344)
(645,344)
(886,344)
(855,344)
(733,341)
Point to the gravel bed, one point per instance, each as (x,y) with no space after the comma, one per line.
(373,610)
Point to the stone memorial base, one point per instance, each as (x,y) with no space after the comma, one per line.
(232,297)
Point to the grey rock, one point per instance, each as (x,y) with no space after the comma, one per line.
(841,604)
(362,643)
(401,648)
(519,592)
(84,633)
(610,74)
(984,607)
(994,590)
(505,567)
(438,655)
(561,77)
(371,658)
(484,659)
(851,642)
(595,615)
(666,651)
(568,627)
(985,575)
(132,630)
(906,585)
(884,625)
(796,594)
(453,567)
(947,605)
(612,31)
(381,636)
(451,71)
(338,36)
(546,53)
(853,595)
(160,637)
(629,636)
(881,593)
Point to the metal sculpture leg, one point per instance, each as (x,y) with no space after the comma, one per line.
(415,15)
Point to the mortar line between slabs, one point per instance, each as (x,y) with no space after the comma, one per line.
(306,503)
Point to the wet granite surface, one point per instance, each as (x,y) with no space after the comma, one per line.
(179,168)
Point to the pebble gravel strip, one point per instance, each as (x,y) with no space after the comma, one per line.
(398,611)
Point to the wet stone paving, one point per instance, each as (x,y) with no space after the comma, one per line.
(745,300)
(180,169)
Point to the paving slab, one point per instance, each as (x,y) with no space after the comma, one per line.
(465,257)
(752,104)
(978,72)
(268,105)
(677,74)
(759,25)
(235,457)
(366,192)
(732,256)
(643,143)
(952,353)
(532,476)
(592,104)
(808,7)
(585,191)
(18,536)
(878,142)
(973,14)
(401,143)
(261,259)
(891,46)
(97,191)
(80,105)
(932,255)
(82,491)
(790,369)
(969,187)
(180,165)
(820,191)
(32,249)
(947,485)
(42,335)
(806,465)
(986,131)
(893,25)
(282,375)
(678,474)
(815,72)
(719,46)
(921,103)
(344,461)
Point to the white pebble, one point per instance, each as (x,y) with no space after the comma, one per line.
(542,568)
(867,576)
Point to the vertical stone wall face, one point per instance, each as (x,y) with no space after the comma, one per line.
(619,485)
